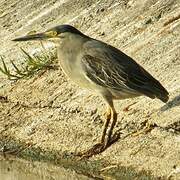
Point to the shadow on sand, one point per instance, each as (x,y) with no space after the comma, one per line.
(173,103)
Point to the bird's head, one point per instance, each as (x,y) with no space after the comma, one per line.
(55,34)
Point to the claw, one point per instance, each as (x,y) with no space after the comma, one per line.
(96,149)
(99,147)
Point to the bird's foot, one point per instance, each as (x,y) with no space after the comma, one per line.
(99,147)
(96,149)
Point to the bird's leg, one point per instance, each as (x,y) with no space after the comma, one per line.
(105,141)
(99,147)
(106,123)
(110,131)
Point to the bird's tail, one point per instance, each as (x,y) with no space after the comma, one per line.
(161,93)
(153,88)
(156,90)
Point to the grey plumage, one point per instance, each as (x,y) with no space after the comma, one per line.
(111,68)
(103,69)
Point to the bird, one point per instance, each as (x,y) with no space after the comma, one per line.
(104,70)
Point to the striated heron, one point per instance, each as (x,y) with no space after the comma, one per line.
(101,68)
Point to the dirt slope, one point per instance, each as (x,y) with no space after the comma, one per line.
(50,113)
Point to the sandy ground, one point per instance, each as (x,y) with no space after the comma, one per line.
(19,169)
(50,113)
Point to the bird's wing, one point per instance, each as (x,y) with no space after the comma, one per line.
(104,73)
(111,68)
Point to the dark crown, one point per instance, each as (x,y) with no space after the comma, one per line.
(66,28)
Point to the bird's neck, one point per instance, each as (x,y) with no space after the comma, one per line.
(68,53)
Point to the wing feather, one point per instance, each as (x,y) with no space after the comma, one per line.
(111,68)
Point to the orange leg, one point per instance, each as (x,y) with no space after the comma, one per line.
(110,131)
(108,118)
(111,119)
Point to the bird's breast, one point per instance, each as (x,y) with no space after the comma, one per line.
(71,66)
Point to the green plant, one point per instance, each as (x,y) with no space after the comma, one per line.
(32,64)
